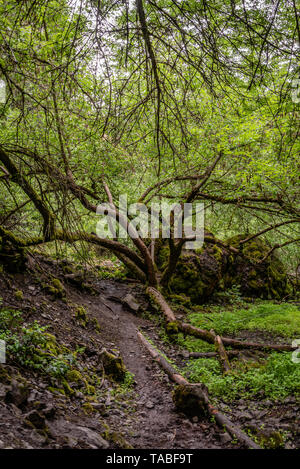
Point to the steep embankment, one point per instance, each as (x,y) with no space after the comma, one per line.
(62,388)
(42,409)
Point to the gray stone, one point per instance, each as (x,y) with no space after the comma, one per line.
(131,302)
(35,418)
(17,394)
(225,438)
(149,405)
(74,434)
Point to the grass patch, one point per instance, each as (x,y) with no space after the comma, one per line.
(281,319)
(274,377)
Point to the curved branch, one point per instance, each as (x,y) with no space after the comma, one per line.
(18,178)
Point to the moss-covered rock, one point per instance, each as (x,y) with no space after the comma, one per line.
(202,272)
(67,388)
(113,366)
(198,273)
(256,277)
(35,420)
(5,377)
(268,438)
(81,316)
(55,288)
(12,256)
(19,295)
(271,440)
(96,324)
(74,376)
(56,390)
(18,392)
(172,328)
(87,408)
(191,399)
(116,439)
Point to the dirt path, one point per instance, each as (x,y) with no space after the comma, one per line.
(154,424)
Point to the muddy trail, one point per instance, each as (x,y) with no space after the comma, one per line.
(154,422)
(140,415)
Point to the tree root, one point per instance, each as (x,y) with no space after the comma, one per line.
(197,395)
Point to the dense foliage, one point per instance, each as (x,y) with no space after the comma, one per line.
(155,97)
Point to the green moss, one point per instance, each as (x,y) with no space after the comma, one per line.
(273,440)
(252,273)
(67,388)
(4,375)
(81,316)
(90,390)
(217,253)
(172,328)
(200,273)
(190,399)
(87,408)
(117,439)
(55,288)
(50,338)
(68,269)
(56,390)
(180,299)
(96,324)
(74,376)
(267,279)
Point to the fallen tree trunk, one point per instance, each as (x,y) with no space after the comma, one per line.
(205,335)
(235,343)
(158,298)
(168,368)
(197,392)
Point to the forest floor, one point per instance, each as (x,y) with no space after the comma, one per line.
(58,395)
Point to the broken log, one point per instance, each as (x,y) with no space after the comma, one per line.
(230,354)
(223,357)
(205,335)
(197,392)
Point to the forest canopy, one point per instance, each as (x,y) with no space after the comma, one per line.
(160,100)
